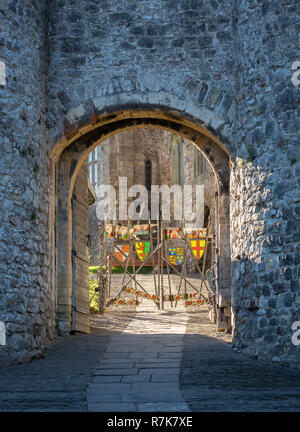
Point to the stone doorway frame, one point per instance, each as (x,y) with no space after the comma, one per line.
(84,131)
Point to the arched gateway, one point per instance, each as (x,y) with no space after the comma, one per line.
(72,151)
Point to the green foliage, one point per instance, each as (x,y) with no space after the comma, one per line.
(93,269)
(94,306)
(240,162)
(93,303)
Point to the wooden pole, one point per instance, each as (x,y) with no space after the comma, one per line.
(181,277)
(184,271)
(130,276)
(196,262)
(188,282)
(122,288)
(158,264)
(169,280)
(162,268)
(153,260)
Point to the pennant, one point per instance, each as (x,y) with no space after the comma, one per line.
(122,233)
(173,233)
(109,230)
(195,232)
(141,230)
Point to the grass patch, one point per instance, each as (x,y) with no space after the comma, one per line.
(93,303)
(93,269)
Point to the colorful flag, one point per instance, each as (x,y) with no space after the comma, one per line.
(173,233)
(195,232)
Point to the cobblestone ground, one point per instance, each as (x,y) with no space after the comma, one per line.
(58,382)
(215,378)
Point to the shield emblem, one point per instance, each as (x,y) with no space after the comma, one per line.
(176,255)
(198,247)
(122,256)
(142,250)
(125,250)
(119,256)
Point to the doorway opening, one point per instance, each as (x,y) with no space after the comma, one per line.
(77,155)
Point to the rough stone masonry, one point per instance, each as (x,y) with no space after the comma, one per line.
(225,67)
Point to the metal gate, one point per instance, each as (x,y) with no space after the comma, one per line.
(167,251)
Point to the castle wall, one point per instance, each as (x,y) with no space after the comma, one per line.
(265,182)
(27,298)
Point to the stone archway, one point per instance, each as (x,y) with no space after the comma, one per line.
(71,152)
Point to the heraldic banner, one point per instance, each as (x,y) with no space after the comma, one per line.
(142,249)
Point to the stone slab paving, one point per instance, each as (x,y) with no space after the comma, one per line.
(140,368)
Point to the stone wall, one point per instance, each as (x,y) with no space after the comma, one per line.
(164,52)
(176,55)
(265,181)
(27,299)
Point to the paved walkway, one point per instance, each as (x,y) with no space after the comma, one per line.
(149,361)
(58,382)
(216,378)
(140,368)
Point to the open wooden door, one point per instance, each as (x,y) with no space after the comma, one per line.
(80,255)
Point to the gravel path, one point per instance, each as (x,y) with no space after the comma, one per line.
(58,382)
